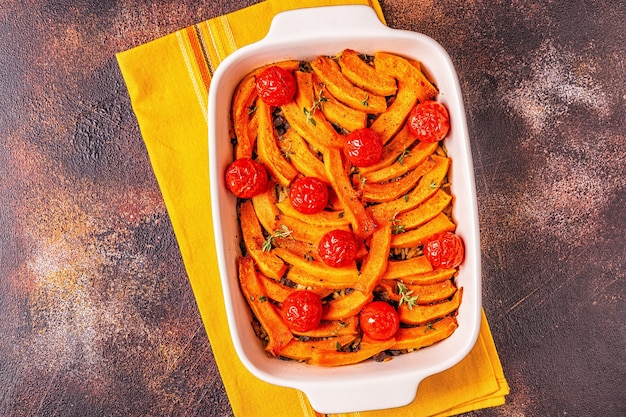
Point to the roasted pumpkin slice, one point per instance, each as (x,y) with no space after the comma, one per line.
(397,148)
(391,121)
(325,218)
(425,211)
(329,328)
(364,75)
(339,86)
(406,161)
(242,107)
(430,277)
(318,268)
(362,222)
(306,278)
(346,306)
(375,263)
(424,294)
(302,351)
(275,290)
(407,267)
(306,250)
(267,262)
(318,135)
(278,333)
(425,188)
(298,152)
(411,238)
(277,224)
(413,338)
(336,112)
(393,189)
(265,208)
(404,70)
(423,314)
(368,349)
(301,230)
(267,147)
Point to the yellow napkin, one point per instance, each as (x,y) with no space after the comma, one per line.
(168,81)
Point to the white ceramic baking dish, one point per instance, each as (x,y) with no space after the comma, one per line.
(304,34)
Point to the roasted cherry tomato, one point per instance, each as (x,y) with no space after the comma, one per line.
(276,86)
(363,147)
(444,250)
(246,177)
(429,121)
(308,195)
(337,248)
(379,320)
(302,310)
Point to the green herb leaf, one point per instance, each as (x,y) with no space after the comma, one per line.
(403,155)
(269,240)
(405,296)
(317,104)
(396,227)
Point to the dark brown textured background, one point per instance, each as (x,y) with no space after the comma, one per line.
(96,314)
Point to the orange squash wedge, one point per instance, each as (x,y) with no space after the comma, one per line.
(318,268)
(364,75)
(411,238)
(308,279)
(375,263)
(408,267)
(267,262)
(404,70)
(426,188)
(418,337)
(278,333)
(346,306)
(408,160)
(426,294)
(303,351)
(329,328)
(268,151)
(242,108)
(335,111)
(339,86)
(391,190)
(335,358)
(363,224)
(430,277)
(425,211)
(325,218)
(298,152)
(423,314)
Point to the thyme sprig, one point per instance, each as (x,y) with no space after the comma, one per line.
(405,296)
(404,154)
(270,239)
(317,104)
(396,227)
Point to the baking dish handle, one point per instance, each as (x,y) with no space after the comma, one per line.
(363,395)
(324,22)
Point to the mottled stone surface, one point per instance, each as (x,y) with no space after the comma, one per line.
(98,318)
